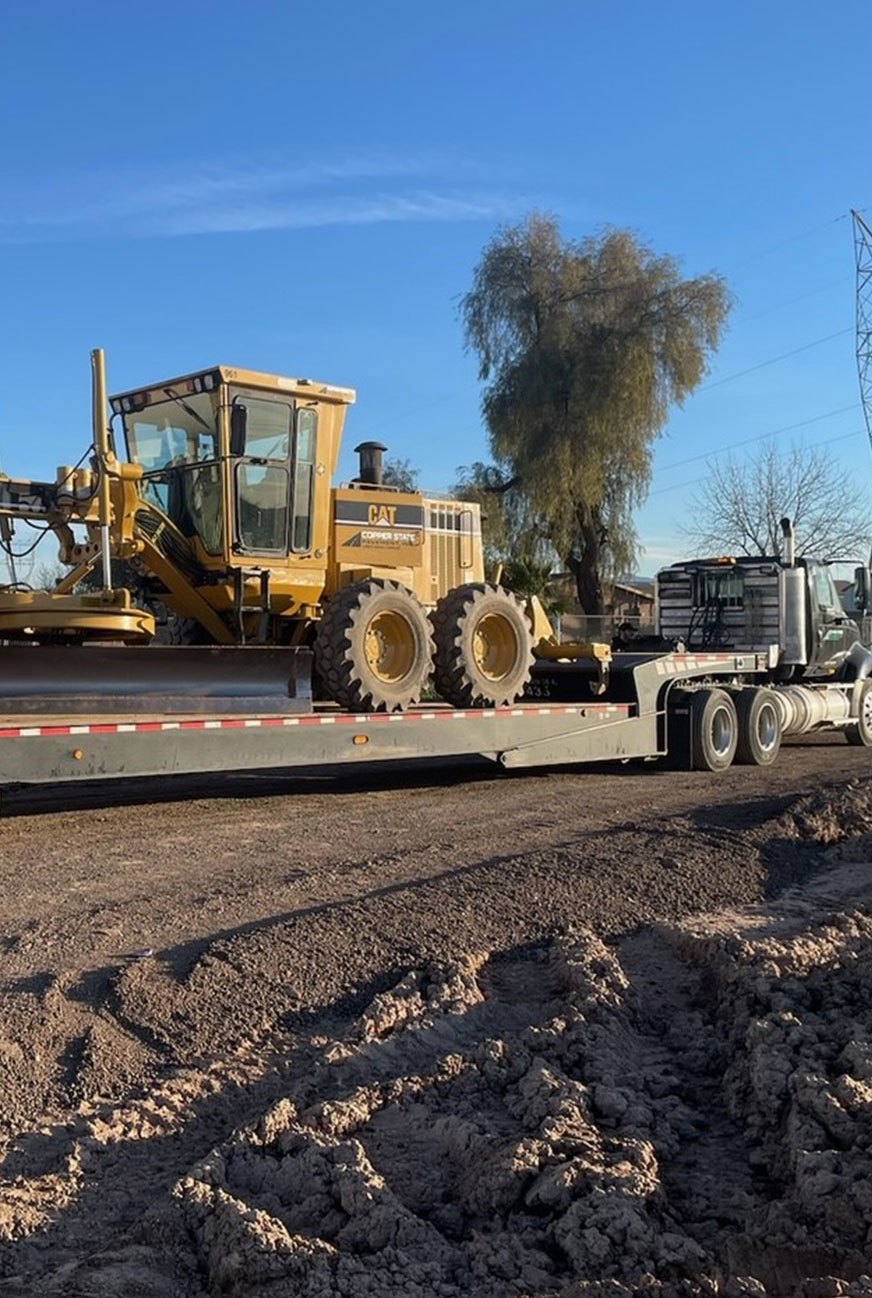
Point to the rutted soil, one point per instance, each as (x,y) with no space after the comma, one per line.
(577,1068)
(689,1112)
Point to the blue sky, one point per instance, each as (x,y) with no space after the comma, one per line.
(306,188)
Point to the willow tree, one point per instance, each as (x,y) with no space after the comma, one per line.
(584,346)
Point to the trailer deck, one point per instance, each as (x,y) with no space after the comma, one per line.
(627,723)
(68,748)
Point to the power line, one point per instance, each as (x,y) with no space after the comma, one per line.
(827,441)
(740,374)
(758,437)
(765,252)
(791,238)
(790,301)
(451,396)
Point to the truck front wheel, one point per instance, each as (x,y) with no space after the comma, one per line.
(861,732)
(759,718)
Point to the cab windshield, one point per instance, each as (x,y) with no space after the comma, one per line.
(174,432)
(176,442)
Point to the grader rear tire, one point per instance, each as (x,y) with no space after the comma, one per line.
(374,647)
(484,646)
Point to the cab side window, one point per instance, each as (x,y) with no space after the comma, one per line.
(824,589)
(263,477)
(304,480)
(267,429)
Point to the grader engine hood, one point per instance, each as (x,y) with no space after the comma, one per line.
(376,534)
(391,525)
(431,545)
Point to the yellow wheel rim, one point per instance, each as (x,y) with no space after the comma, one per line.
(389,647)
(494,646)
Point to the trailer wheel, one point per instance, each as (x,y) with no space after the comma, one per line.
(484,646)
(861,733)
(714,730)
(759,737)
(373,647)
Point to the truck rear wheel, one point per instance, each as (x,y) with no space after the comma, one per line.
(714,730)
(484,646)
(759,718)
(374,647)
(861,733)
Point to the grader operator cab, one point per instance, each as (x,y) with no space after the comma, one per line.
(215,492)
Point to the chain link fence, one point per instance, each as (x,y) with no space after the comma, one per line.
(600,627)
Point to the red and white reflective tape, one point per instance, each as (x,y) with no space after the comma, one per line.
(303,719)
(690,662)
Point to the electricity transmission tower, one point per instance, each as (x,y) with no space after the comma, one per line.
(863,259)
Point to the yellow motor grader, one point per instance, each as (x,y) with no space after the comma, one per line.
(212,494)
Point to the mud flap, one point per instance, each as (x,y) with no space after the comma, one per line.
(220,680)
(677,721)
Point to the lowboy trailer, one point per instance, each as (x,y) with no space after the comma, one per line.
(703,710)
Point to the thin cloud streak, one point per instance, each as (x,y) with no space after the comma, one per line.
(253,197)
(339,211)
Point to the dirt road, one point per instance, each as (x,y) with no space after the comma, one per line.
(161,965)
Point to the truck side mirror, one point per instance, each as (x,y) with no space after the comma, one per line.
(861,588)
(238,426)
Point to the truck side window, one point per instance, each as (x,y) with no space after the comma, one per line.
(824,590)
(304,480)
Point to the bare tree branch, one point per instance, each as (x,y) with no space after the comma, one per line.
(739,506)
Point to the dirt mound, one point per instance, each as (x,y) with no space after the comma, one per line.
(687,1113)
(830,816)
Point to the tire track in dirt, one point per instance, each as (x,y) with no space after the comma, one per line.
(671,1115)
(237,1009)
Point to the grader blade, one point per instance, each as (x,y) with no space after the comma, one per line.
(61,679)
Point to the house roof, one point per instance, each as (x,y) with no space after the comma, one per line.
(642,589)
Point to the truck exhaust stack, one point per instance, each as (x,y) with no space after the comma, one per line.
(789,542)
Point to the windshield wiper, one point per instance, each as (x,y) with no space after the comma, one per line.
(189,410)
